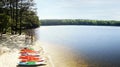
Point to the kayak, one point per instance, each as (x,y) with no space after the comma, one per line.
(31,63)
(30,57)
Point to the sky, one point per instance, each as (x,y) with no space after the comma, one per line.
(78,9)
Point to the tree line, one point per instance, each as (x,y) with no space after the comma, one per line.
(17,15)
(79,22)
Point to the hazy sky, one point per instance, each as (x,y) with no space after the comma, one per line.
(79,9)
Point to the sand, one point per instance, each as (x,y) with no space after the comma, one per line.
(10,47)
(55,55)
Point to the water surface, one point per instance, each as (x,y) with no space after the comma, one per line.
(98,45)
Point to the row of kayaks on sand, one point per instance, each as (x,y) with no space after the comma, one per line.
(28,56)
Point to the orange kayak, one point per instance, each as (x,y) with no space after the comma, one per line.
(29,58)
(27,51)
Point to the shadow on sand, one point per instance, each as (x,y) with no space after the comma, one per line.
(31,65)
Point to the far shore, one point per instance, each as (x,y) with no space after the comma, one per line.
(83,25)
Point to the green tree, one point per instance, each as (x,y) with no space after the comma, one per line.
(15,9)
(4,23)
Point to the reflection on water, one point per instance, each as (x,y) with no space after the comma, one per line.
(99,45)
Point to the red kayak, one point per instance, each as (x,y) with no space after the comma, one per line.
(30,57)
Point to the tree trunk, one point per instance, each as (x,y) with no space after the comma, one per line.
(11,15)
(20,19)
(16,16)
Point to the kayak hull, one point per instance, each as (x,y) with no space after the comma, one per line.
(36,64)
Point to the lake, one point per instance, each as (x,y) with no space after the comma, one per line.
(97,45)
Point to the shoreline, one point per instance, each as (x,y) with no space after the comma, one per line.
(9,51)
(54,56)
(62,56)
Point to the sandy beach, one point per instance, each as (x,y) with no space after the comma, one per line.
(55,56)
(10,47)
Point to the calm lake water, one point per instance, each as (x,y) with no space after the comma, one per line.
(97,44)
